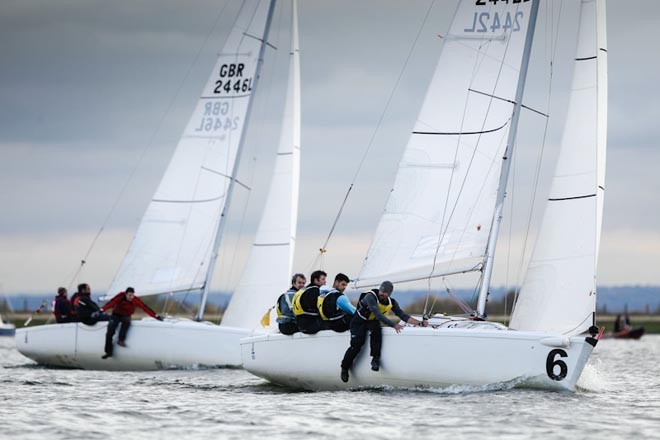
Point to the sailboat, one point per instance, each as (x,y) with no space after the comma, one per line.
(176,245)
(444,212)
(6,328)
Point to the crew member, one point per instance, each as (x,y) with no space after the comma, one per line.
(334,307)
(305,304)
(123,306)
(62,306)
(371,310)
(87,311)
(286,319)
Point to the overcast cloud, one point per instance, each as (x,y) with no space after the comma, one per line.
(86,86)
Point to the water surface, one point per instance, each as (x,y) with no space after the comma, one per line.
(619,395)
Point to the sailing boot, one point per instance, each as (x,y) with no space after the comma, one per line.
(375,364)
(121,343)
(344,375)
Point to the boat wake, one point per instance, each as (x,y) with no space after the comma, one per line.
(594,378)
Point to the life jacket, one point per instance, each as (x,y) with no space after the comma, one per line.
(74,302)
(327,305)
(304,301)
(284,316)
(363,308)
(58,308)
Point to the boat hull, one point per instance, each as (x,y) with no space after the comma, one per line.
(7,329)
(421,357)
(151,345)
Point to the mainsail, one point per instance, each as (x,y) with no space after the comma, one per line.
(174,244)
(440,211)
(559,290)
(269,265)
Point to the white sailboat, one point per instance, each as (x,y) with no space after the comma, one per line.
(6,328)
(176,245)
(444,212)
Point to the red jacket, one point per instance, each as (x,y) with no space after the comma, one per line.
(124,307)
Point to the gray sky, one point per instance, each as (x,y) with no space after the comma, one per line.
(88,86)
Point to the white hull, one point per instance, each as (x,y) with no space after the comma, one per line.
(151,345)
(7,329)
(419,357)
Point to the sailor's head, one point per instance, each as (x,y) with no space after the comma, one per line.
(298,281)
(130,293)
(318,278)
(386,289)
(84,288)
(341,281)
(61,291)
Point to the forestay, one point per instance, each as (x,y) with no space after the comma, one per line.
(559,290)
(440,211)
(270,263)
(173,245)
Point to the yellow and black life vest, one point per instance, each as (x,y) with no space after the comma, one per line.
(305,301)
(327,305)
(363,308)
(284,307)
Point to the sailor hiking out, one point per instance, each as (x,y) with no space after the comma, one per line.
(305,304)
(286,319)
(334,307)
(371,310)
(123,306)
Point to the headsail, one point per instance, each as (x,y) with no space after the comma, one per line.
(559,290)
(440,211)
(269,265)
(172,248)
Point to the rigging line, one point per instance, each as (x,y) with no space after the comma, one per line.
(446,228)
(378,124)
(554,45)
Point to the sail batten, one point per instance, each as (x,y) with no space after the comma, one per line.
(559,288)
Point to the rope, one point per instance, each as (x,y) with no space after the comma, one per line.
(323,249)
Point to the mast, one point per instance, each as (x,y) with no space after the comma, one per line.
(506,165)
(222,222)
(270,261)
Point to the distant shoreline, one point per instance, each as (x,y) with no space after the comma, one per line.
(651,323)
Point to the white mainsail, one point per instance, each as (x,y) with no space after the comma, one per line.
(559,290)
(270,262)
(172,248)
(440,211)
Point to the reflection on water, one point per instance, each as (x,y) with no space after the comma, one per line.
(618,394)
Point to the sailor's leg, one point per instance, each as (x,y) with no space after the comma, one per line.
(358,336)
(376,339)
(112,326)
(123,330)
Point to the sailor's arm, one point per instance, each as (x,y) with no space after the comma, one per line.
(406,317)
(345,305)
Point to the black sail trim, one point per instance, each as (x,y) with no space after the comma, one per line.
(460,133)
(188,201)
(572,198)
(586,58)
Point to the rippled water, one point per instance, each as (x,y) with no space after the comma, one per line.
(619,395)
